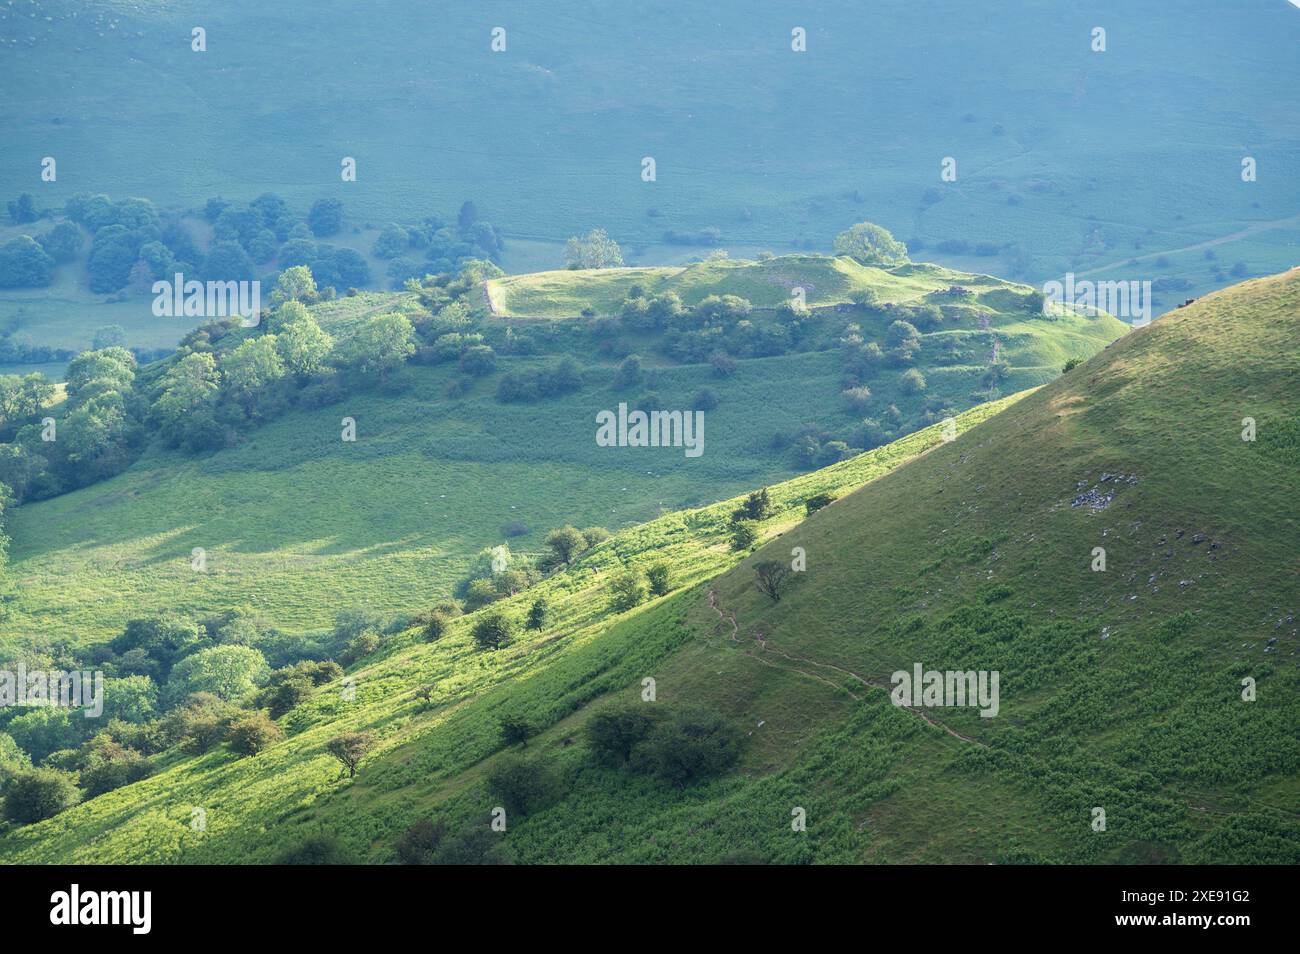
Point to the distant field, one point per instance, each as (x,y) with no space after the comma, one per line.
(1065,156)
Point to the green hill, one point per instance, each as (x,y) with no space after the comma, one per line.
(393,520)
(1121,690)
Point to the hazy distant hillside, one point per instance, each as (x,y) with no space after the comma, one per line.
(1066,157)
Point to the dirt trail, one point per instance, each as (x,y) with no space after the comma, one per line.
(1198,246)
(764,645)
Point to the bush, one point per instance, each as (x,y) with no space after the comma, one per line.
(628,590)
(704,400)
(537,615)
(743,535)
(659,577)
(911,381)
(316,850)
(253,734)
(614,734)
(686,747)
(419,844)
(521,786)
(816,502)
(493,631)
(38,794)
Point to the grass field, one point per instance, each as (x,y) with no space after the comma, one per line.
(393,520)
(1121,689)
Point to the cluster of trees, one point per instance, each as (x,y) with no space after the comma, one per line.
(173,681)
(745,519)
(434,246)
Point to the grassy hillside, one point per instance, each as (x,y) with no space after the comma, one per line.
(584,652)
(1120,689)
(392,520)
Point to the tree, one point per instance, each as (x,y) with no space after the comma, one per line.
(228,672)
(757,506)
(350,748)
(515,731)
(493,631)
(628,589)
(467,216)
(870,244)
(565,543)
(108,336)
(227,262)
(537,614)
(659,577)
(595,250)
(521,786)
(24,264)
(253,733)
(295,284)
(772,576)
(614,734)
(249,369)
(628,373)
(189,387)
(63,242)
(743,535)
(1071,365)
(325,217)
(38,794)
(303,346)
(22,209)
(419,844)
(383,343)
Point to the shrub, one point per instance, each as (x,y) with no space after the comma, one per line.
(516,731)
(613,735)
(521,786)
(772,576)
(659,577)
(40,793)
(628,590)
(743,535)
(816,502)
(911,381)
(253,733)
(316,850)
(493,631)
(686,747)
(419,844)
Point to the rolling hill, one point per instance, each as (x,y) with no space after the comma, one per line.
(1123,689)
(393,520)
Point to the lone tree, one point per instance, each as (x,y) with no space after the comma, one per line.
(516,731)
(772,576)
(757,506)
(537,614)
(871,245)
(350,748)
(493,631)
(566,543)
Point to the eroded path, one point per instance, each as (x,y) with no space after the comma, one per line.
(761,646)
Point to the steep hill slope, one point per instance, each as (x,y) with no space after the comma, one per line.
(1121,689)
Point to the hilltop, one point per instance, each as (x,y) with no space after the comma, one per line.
(1122,688)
